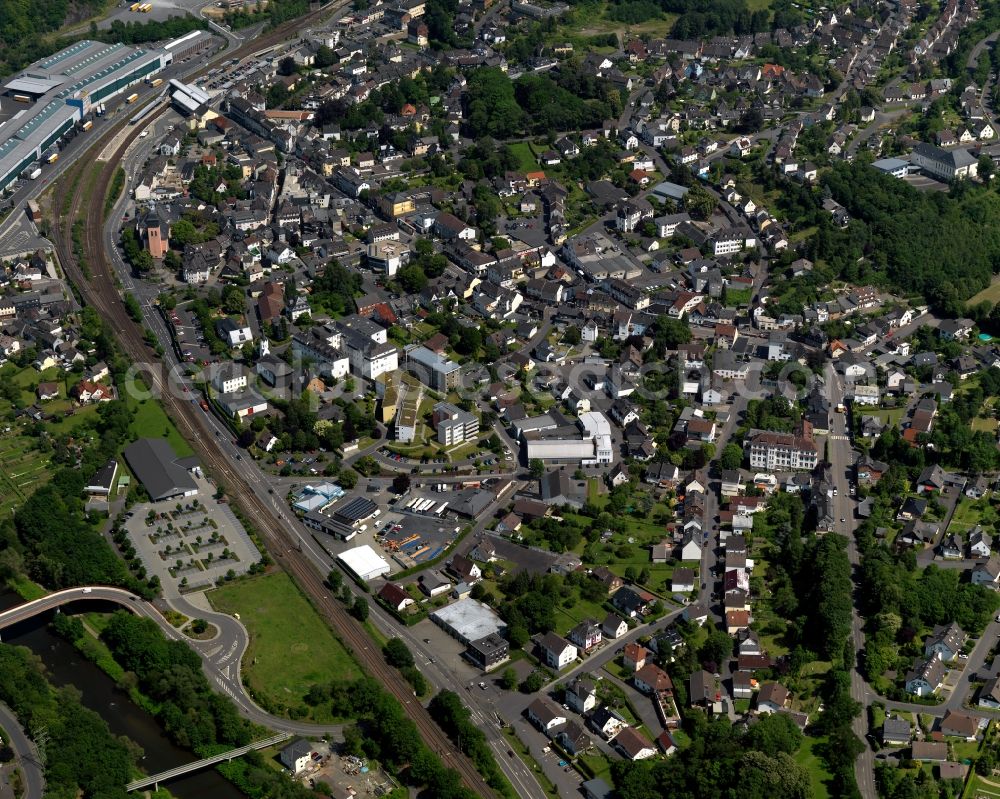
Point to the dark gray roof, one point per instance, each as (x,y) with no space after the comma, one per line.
(104,476)
(356,509)
(297,749)
(156,465)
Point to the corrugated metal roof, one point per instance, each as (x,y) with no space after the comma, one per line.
(62,55)
(33,85)
(42,117)
(93,58)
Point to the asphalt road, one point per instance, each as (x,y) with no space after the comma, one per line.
(221,656)
(844,505)
(26,753)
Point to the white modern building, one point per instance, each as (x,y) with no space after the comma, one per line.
(590,444)
(364,563)
(454,425)
(387,256)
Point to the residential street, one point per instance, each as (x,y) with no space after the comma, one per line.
(26,754)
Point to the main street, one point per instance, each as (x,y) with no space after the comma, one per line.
(841,458)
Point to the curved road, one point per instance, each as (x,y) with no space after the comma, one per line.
(221,657)
(27,755)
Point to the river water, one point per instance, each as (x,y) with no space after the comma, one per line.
(65,666)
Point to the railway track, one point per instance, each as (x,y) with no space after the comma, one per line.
(101,293)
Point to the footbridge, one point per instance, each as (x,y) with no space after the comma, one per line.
(180,771)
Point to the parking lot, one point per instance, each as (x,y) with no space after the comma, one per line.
(189,336)
(191,548)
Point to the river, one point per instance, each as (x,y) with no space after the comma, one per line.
(65,666)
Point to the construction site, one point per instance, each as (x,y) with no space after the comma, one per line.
(348,775)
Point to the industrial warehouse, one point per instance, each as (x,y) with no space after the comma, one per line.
(65,90)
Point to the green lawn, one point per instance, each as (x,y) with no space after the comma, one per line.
(969,513)
(984,424)
(291,648)
(151,421)
(890,416)
(597,763)
(736,298)
(977,786)
(568,618)
(818,775)
(594,496)
(526,161)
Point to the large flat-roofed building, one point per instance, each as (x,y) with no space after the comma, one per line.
(355,510)
(60,91)
(387,256)
(897,167)
(407,414)
(161,472)
(468,620)
(364,563)
(588,443)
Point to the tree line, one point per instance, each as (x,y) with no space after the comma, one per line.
(84,757)
(383,732)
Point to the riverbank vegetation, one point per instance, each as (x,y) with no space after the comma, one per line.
(85,759)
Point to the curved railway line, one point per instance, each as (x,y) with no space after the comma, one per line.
(100,292)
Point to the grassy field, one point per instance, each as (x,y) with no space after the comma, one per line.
(991,294)
(593,21)
(818,775)
(568,618)
(291,648)
(984,424)
(526,161)
(151,421)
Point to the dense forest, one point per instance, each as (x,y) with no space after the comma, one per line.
(24,24)
(495,106)
(169,672)
(28,29)
(722,761)
(696,19)
(86,759)
(943,246)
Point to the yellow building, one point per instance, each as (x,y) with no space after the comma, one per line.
(396,204)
